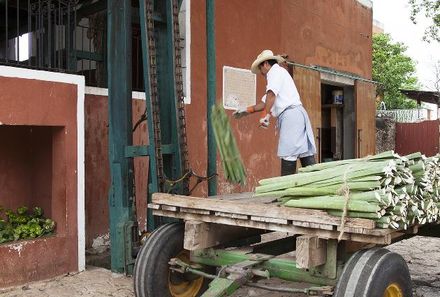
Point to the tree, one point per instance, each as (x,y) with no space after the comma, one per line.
(394,71)
(431,9)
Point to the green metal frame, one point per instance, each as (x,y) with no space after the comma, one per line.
(239,268)
(121,150)
(211,63)
(168,105)
(120,124)
(280,268)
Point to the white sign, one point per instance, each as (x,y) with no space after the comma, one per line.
(239,88)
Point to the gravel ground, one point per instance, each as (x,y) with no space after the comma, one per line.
(421,253)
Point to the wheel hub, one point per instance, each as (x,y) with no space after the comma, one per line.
(180,286)
(393,290)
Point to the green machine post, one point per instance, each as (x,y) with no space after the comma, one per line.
(120,135)
(210,57)
(166,91)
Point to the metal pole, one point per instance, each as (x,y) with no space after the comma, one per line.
(211,89)
(120,126)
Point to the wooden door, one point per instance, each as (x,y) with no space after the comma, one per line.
(308,83)
(365,95)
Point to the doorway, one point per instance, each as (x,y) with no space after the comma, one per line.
(338,121)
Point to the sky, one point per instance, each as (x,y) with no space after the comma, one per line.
(394,15)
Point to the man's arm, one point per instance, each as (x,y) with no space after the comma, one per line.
(258,107)
(270,100)
(250,109)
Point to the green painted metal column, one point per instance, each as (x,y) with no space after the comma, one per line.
(210,56)
(120,126)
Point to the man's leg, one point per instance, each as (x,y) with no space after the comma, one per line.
(288,167)
(307,161)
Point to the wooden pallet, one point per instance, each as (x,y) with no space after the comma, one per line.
(264,213)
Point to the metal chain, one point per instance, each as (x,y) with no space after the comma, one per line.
(180,98)
(154,94)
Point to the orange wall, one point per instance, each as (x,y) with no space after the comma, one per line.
(333,33)
(97,166)
(38,166)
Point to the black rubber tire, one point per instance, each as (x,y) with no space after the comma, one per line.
(151,268)
(368,273)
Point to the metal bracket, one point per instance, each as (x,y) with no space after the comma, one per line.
(131,242)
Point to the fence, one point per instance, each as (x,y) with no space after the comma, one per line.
(414,137)
(404,115)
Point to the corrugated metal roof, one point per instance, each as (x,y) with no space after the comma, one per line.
(423,96)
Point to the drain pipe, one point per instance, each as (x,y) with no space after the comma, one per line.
(211,89)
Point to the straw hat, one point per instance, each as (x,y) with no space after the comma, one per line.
(264,56)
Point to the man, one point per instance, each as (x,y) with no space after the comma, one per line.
(282,101)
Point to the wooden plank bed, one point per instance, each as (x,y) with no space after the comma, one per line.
(265,213)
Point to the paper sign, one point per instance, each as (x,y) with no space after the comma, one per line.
(239,88)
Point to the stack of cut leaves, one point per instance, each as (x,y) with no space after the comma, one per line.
(24,225)
(393,190)
(229,153)
(424,206)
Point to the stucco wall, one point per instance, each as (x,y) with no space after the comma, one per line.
(97,165)
(334,33)
(328,33)
(39,167)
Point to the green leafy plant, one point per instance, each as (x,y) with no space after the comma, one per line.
(21,224)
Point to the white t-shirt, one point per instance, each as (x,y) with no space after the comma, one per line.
(281,84)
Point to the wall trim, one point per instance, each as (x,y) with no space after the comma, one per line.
(78,80)
(104,92)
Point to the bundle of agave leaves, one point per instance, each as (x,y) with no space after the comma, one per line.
(393,190)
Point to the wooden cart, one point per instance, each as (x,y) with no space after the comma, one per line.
(219,248)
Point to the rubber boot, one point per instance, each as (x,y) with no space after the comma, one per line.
(288,167)
(307,161)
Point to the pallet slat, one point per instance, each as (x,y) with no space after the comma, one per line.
(383,238)
(261,210)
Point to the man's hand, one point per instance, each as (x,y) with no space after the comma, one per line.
(243,111)
(265,121)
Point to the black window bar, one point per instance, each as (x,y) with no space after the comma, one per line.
(65,36)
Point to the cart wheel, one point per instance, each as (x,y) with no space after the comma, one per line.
(152,276)
(375,273)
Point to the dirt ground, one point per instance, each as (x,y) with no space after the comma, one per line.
(421,253)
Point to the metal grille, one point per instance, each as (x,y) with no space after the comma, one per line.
(54,35)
